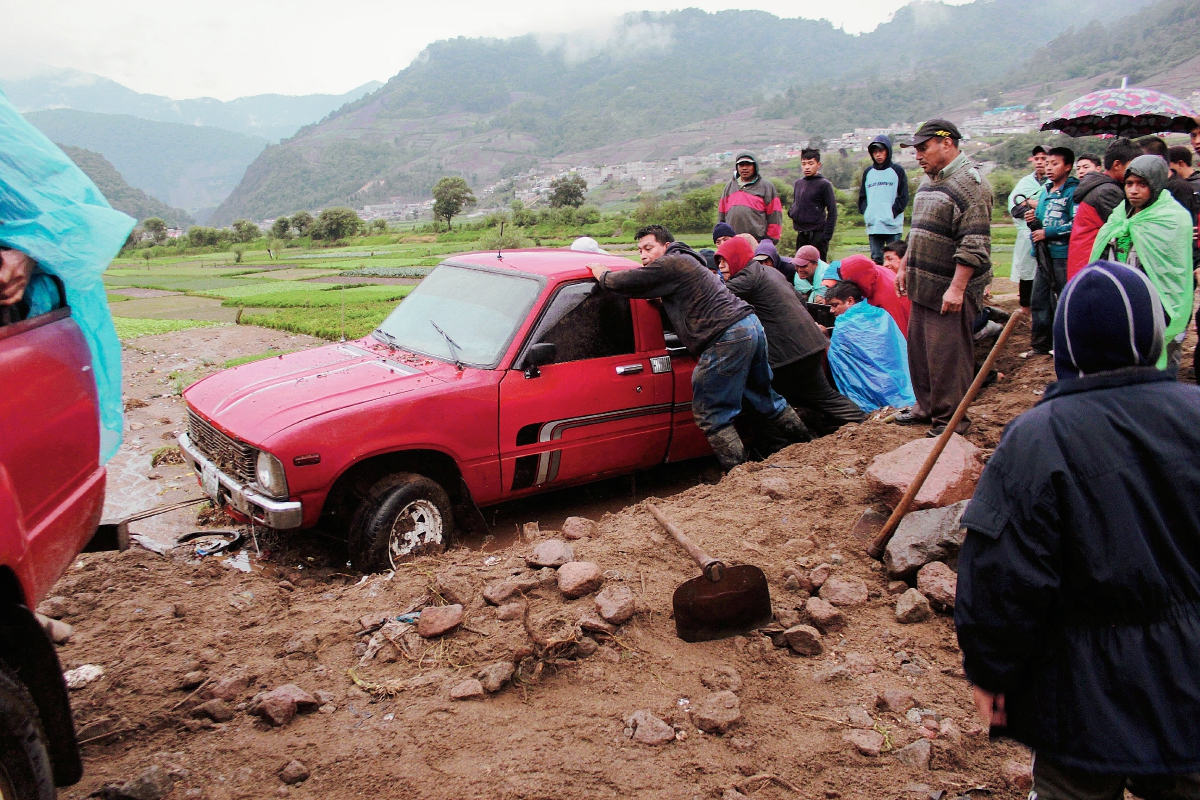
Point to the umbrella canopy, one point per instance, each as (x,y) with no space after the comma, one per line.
(1123,112)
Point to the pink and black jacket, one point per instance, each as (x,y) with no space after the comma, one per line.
(752,208)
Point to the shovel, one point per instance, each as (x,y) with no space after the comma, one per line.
(871,520)
(723,601)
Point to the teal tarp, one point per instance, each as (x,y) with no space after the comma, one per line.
(869,359)
(53,212)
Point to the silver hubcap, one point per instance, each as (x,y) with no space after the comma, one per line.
(417,529)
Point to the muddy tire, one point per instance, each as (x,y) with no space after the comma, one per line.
(403,516)
(25,772)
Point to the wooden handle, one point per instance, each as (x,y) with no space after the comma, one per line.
(877,545)
(711,567)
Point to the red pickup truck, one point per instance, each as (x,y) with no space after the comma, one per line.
(51,497)
(499,376)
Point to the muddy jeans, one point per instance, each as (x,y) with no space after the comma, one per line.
(732,369)
(1047,286)
(1056,782)
(804,385)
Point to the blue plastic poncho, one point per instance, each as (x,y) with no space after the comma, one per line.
(53,212)
(869,359)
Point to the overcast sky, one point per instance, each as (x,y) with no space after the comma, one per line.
(231,48)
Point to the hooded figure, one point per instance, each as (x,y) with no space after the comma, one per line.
(1078,581)
(1095,198)
(752,205)
(53,213)
(878,285)
(1156,240)
(883,196)
(766,251)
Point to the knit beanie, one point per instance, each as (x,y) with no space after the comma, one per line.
(1109,317)
(737,253)
(722,229)
(1154,170)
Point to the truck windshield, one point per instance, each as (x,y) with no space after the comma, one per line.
(471,311)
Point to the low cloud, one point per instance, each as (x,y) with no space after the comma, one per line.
(629,34)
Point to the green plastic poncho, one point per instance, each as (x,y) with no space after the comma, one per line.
(1161,236)
(53,212)
(1024,264)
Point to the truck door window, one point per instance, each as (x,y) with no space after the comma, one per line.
(584,321)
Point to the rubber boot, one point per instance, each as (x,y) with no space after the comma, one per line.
(728,446)
(791,427)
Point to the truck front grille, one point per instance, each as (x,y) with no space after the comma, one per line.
(232,457)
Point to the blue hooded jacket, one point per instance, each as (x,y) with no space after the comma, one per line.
(1079,580)
(883,193)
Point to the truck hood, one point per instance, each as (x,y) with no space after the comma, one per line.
(255,401)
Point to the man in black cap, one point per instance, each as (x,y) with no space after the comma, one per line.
(945,271)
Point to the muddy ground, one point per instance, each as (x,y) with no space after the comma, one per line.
(148,619)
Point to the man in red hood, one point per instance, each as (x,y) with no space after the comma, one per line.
(795,341)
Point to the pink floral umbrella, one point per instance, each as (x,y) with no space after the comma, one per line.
(1123,112)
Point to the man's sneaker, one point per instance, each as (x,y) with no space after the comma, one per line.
(907,417)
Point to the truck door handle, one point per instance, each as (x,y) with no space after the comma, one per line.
(630,369)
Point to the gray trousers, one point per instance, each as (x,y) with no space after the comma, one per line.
(941,359)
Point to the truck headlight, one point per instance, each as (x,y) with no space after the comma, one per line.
(271,478)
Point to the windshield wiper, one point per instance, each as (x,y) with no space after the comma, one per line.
(385,337)
(453,347)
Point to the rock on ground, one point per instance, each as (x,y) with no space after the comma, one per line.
(501,591)
(578,578)
(494,676)
(152,784)
(579,528)
(616,604)
(279,706)
(216,710)
(1018,775)
(844,591)
(550,553)
(805,640)
(775,487)
(823,615)
(646,728)
(229,689)
(952,479)
(454,588)
(896,701)
(467,690)
(717,712)
(938,583)
(293,772)
(916,755)
(437,620)
(593,624)
(869,743)
(819,575)
(925,536)
(510,611)
(722,678)
(912,607)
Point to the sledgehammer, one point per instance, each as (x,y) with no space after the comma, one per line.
(876,547)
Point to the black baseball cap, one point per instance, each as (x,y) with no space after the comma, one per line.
(934,127)
(1038,150)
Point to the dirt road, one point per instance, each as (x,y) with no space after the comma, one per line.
(160,623)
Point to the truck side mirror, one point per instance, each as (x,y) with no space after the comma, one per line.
(539,355)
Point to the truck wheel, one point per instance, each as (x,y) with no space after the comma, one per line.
(24,763)
(404,515)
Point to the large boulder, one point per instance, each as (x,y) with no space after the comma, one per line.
(953,477)
(925,536)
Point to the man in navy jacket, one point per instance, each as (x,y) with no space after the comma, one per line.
(1078,608)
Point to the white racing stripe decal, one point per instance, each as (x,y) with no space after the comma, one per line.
(548,462)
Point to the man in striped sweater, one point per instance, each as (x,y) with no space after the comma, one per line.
(945,271)
(750,203)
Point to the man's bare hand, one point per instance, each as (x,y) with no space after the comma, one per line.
(990,707)
(15,270)
(901,282)
(1039,235)
(598,270)
(1030,215)
(952,300)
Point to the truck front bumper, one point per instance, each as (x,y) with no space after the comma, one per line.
(279,514)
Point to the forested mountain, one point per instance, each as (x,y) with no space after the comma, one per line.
(187,166)
(269,116)
(120,194)
(474,106)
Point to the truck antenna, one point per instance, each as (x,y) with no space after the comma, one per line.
(500,246)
